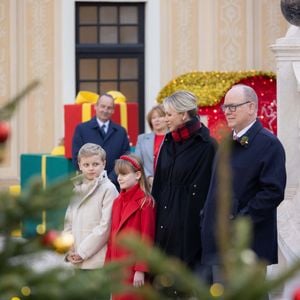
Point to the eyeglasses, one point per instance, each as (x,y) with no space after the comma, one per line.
(232,107)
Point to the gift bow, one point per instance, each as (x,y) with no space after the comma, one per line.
(121,100)
(86,97)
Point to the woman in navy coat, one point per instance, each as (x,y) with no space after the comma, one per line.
(181,180)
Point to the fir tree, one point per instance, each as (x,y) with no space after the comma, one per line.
(244,277)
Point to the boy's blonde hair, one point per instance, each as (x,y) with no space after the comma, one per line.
(90,149)
(132,163)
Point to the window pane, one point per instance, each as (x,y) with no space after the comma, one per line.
(108,15)
(128,15)
(129,68)
(108,35)
(105,87)
(88,15)
(88,86)
(109,52)
(88,69)
(130,90)
(88,35)
(109,69)
(128,35)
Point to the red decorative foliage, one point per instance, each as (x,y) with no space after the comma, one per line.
(265,88)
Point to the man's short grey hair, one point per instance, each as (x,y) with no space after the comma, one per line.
(90,149)
(249,93)
(182,101)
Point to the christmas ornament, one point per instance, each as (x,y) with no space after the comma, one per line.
(296,295)
(217,290)
(63,242)
(209,87)
(291,11)
(215,84)
(4,131)
(49,238)
(26,291)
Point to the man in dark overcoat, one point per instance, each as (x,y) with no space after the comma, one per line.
(257,162)
(102,131)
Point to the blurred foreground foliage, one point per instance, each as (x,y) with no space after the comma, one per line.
(20,277)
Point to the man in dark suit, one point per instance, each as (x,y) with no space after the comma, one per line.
(102,131)
(257,161)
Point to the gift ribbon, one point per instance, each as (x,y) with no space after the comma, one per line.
(86,112)
(123,112)
(43,172)
(15,190)
(41,228)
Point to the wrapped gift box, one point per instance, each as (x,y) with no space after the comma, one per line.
(77,113)
(50,169)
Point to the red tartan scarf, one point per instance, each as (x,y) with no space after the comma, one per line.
(187,130)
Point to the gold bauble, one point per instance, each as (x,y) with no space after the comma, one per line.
(63,242)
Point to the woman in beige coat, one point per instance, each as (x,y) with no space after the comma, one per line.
(88,216)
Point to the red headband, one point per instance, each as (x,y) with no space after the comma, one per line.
(132,161)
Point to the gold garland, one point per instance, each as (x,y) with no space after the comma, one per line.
(209,87)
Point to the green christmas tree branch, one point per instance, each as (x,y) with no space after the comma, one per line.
(7,111)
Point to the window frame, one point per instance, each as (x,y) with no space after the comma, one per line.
(97,51)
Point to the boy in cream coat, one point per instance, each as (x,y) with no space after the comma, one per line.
(88,216)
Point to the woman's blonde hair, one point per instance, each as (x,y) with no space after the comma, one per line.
(132,163)
(182,101)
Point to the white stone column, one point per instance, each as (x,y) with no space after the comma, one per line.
(287,53)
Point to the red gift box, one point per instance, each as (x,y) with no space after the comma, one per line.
(74,115)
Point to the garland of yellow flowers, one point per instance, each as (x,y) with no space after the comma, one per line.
(209,87)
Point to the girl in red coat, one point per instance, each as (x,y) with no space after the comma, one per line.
(133,211)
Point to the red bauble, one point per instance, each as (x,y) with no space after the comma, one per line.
(296,295)
(4,131)
(49,237)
